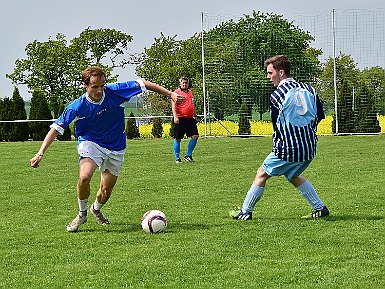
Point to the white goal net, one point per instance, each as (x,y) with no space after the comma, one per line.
(340,52)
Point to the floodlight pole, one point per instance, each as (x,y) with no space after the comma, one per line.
(335,70)
(203,76)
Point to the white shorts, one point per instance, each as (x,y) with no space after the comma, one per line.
(104,158)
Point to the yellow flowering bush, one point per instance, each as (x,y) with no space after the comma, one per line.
(216,128)
(223,128)
(261,127)
(145,130)
(381,120)
(325,125)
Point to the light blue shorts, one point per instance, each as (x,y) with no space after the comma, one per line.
(273,166)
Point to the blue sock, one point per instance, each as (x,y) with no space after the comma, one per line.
(191,146)
(177,149)
(253,196)
(308,192)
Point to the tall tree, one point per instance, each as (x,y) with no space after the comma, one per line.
(39,111)
(345,116)
(107,47)
(157,128)
(2,109)
(244,127)
(54,66)
(374,78)
(51,67)
(164,62)
(235,54)
(365,112)
(5,115)
(234,61)
(19,131)
(346,71)
(132,130)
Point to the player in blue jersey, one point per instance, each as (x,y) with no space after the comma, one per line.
(295,112)
(100,129)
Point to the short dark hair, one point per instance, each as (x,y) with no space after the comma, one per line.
(280,62)
(92,71)
(184,77)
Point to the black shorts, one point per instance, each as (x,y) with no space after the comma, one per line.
(186,126)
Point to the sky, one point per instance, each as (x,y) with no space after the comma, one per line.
(23,21)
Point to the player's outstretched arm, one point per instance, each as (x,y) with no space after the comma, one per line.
(160,89)
(49,138)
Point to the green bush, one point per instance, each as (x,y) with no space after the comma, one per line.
(19,131)
(345,109)
(365,112)
(39,111)
(157,128)
(5,114)
(244,127)
(132,131)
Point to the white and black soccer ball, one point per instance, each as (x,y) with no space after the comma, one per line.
(154,221)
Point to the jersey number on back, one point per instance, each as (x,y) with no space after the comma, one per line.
(300,102)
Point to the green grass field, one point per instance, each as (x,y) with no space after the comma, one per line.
(202,247)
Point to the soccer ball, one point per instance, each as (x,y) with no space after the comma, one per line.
(154,221)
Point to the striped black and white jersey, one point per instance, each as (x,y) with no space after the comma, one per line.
(295,112)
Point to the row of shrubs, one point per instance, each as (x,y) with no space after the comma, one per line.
(223,128)
(164,129)
(226,128)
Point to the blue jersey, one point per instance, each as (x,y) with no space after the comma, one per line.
(101,122)
(295,112)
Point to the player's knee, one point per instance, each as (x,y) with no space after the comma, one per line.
(297,180)
(260,172)
(261,177)
(85,179)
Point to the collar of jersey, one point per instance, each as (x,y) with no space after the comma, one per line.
(95,102)
(285,80)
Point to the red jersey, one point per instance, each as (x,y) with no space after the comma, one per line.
(186,108)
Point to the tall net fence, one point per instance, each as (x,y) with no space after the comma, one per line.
(341,53)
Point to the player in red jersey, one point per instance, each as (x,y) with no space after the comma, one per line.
(184,120)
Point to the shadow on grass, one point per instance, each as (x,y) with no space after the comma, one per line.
(180,227)
(134,227)
(331,218)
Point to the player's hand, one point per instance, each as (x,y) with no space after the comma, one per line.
(36,160)
(177,98)
(176,119)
